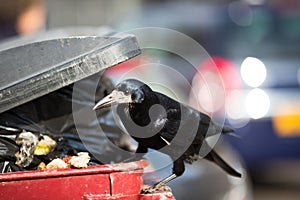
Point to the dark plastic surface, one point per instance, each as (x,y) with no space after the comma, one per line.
(33,70)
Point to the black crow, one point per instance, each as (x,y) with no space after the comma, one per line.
(158,122)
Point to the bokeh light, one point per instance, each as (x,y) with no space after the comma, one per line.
(236,110)
(257,103)
(240,13)
(253,72)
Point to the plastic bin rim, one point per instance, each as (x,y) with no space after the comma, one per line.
(99,169)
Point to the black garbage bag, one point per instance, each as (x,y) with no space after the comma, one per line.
(55,114)
(8,148)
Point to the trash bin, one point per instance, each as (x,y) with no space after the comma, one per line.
(31,71)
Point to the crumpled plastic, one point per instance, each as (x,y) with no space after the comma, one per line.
(52,114)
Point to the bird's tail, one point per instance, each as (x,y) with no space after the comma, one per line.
(214,157)
(229,131)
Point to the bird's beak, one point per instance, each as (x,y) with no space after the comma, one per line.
(116,97)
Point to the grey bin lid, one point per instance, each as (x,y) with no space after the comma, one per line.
(33,70)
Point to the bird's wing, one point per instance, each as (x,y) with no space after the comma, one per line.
(213,127)
(170,126)
(180,126)
(180,120)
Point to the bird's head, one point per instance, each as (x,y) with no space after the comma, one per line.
(130,91)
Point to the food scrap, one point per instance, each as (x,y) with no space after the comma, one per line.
(79,161)
(45,145)
(57,163)
(41,166)
(27,142)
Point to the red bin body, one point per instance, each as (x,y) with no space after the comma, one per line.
(116,181)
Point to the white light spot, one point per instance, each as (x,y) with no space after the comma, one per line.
(257,103)
(253,71)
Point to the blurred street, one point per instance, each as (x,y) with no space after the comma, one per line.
(237,61)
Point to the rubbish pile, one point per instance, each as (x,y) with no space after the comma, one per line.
(41,152)
(32,138)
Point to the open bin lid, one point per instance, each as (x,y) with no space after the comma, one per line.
(33,70)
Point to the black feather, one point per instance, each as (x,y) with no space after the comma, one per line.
(214,157)
(174,125)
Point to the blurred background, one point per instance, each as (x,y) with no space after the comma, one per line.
(253,44)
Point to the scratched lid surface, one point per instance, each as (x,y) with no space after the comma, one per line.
(33,70)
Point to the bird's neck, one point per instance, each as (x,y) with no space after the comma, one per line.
(139,112)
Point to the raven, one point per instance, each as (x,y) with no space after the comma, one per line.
(158,122)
